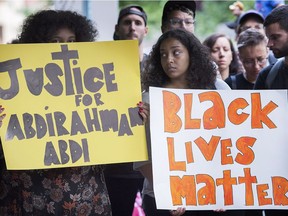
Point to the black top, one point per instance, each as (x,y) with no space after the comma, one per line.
(239,82)
(280,81)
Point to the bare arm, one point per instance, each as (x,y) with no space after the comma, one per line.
(146,171)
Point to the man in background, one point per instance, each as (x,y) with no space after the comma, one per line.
(181,14)
(237,8)
(178,14)
(250,19)
(276,28)
(132,25)
(253,19)
(276,76)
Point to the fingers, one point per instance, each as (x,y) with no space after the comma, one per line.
(144,106)
(2,116)
(1,109)
(178,212)
(144,110)
(219,210)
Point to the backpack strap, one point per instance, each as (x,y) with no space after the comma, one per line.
(143,62)
(273,73)
(233,82)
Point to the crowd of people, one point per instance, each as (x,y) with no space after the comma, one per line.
(177,60)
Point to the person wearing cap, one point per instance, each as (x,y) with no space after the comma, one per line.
(253,19)
(250,19)
(132,25)
(237,8)
(178,14)
(253,53)
(122,181)
(181,15)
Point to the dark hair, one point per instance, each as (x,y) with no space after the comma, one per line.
(210,42)
(131,10)
(248,15)
(15,41)
(278,15)
(41,26)
(250,37)
(201,70)
(188,7)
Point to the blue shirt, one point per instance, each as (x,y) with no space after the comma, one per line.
(265,7)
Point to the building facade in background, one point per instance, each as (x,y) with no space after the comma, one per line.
(13,12)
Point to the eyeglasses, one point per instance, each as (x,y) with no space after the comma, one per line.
(258,27)
(251,62)
(175,22)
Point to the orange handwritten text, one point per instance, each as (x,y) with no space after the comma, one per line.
(215,116)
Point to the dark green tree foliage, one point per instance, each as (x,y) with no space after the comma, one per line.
(215,13)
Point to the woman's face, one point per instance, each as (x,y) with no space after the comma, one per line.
(63,35)
(174,59)
(221,53)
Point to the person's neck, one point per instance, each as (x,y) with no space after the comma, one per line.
(249,79)
(224,73)
(177,84)
(141,52)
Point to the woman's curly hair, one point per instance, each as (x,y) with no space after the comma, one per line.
(201,70)
(41,26)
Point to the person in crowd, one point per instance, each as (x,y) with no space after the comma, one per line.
(237,8)
(276,76)
(266,6)
(59,191)
(132,25)
(253,53)
(122,181)
(178,14)
(253,19)
(250,19)
(223,53)
(177,60)
(181,15)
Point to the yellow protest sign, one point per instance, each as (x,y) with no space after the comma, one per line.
(71,104)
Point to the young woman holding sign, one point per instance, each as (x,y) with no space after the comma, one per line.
(65,191)
(178,60)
